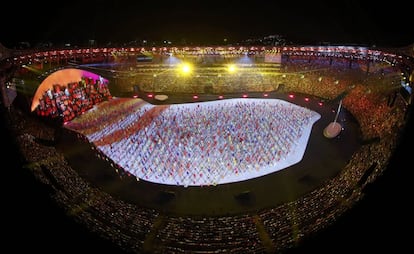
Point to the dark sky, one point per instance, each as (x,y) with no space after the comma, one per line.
(352,22)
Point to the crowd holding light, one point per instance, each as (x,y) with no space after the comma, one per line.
(205,143)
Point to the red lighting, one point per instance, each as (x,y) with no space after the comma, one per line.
(244,96)
(195,97)
(220,97)
(265,95)
(150,95)
(320,103)
(306,99)
(291,96)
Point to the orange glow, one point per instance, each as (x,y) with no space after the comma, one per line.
(61,77)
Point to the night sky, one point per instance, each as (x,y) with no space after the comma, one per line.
(207,22)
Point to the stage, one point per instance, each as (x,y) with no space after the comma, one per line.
(321,160)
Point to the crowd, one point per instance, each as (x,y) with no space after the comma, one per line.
(202,143)
(66,101)
(287,224)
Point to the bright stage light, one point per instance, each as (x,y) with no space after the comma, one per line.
(231,68)
(185,68)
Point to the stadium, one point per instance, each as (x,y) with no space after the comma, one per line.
(248,149)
